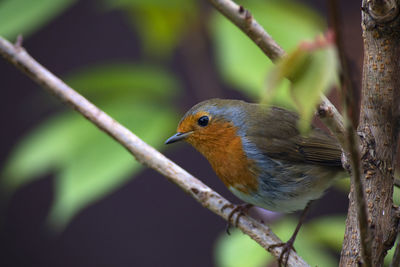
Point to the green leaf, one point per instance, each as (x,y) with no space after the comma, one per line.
(312,252)
(25,16)
(55,141)
(312,70)
(239,250)
(396,190)
(343,184)
(328,231)
(87,162)
(102,165)
(390,254)
(240,61)
(115,81)
(396,195)
(138,3)
(46,148)
(160,24)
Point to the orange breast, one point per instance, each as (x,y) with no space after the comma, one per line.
(223,148)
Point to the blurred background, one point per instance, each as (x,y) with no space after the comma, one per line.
(71,196)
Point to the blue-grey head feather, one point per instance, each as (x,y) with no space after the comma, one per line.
(224,109)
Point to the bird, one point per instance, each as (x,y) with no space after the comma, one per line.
(260,155)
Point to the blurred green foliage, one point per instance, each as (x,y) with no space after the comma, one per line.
(312,243)
(26,16)
(160,24)
(241,63)
(88,164)
(312,71)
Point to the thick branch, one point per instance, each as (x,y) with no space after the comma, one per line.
(383,10)
(378,121)
(144,153)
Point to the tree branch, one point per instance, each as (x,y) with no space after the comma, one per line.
(379,135)
(144,153)
(348,89)
(383,11)
(331,117)
(243,19)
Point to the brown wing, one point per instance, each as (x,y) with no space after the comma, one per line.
(283,141)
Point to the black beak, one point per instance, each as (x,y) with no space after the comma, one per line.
(177,137)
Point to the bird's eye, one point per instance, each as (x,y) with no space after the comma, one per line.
(203,121)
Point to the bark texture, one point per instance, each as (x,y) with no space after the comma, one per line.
(378,129)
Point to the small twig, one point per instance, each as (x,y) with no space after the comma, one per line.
(144,153)
(348,88)
(19,41)
(330,116)
(332,119)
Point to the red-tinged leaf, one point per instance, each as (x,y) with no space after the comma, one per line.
(312,70)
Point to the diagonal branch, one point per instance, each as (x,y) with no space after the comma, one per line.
(243,19)
(332,119)
(144,153)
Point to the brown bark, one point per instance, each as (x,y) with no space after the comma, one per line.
(378,132)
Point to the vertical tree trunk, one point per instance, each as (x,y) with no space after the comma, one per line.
(379,121)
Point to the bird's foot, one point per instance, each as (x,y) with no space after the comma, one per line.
(285,253)
(241,210)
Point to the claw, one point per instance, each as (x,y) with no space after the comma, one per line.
(285,253)
(240,209)
(288,246)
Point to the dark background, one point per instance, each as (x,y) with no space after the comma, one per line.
(147,222)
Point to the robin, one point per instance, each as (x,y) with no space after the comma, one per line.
(261,157)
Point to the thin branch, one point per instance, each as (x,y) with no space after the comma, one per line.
(144,153)
(348,88)
(355,178)
(331,117)
(243,19)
